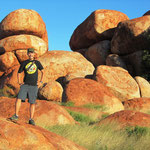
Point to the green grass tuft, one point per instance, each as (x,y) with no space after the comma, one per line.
(137,131)
(94,106)
(80,117)
(69,104)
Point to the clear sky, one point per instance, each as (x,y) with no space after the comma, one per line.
(63,16)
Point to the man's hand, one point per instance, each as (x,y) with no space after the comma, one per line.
(20,83)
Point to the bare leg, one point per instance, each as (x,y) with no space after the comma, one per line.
(32,110)
(18,105)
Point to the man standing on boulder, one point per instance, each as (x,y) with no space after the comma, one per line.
(29,87)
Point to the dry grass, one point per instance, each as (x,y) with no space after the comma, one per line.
(105,137)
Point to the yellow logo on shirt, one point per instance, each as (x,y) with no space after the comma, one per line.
(31,68)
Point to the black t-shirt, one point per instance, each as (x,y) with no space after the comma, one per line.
(30,68)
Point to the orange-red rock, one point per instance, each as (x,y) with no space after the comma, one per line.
(138,104)
(119,82)
(22,42)
(21,55)
(9,81)
(96,27)
(61,63)
(98,52)
(23,21)
(87,91)
(27,137)
(128,118)
(46,113)
(56,64)
(51,91)
(131,35)
(7,60)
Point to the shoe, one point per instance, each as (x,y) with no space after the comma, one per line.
(14,117)
(31,121)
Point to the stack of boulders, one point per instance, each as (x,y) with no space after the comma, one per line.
(23,29)
(95,73)
(109,37)
(107,50)
(20,30)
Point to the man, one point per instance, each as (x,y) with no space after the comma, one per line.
(29,87)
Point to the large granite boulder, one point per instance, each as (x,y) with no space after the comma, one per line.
(126,118)
(46,113)
(86,91)
(23,21)
(21,42)
(61,63)
(26,137)
(131,35)
(51,91)
(99,26)
(119,82)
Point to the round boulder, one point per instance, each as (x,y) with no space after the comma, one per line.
(127,118)
(87,91)
(119,82)
(51,91)
(46,114)
(59,64)
(131,36)
(99,26)
(22,42)
(23,21)
(27,137)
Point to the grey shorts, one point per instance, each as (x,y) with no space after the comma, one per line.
(28,91)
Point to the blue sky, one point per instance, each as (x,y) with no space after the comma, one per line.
(63,16)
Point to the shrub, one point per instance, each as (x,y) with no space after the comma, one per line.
(137,131)
(146,65)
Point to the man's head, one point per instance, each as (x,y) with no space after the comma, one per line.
(31,53)
(31,50)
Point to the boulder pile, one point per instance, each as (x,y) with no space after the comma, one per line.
(124,39)
(103,69)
